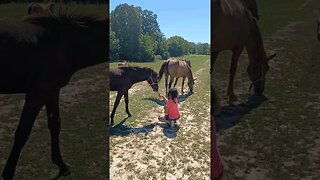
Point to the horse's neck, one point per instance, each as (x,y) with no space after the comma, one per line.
(138,77)
(190,76)
(255,46)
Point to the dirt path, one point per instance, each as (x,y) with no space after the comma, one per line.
(156,151)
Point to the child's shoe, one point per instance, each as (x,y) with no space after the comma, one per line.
(171,123)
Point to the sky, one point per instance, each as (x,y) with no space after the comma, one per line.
(189,19)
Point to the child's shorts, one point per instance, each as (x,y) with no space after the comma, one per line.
(169,119)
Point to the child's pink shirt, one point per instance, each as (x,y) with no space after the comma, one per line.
(172,108)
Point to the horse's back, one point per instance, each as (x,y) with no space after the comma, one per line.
(229,31)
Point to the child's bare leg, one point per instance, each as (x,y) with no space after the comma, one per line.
(163,119)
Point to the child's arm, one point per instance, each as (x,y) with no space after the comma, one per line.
(161,96)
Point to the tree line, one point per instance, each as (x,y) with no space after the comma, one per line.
(135,35)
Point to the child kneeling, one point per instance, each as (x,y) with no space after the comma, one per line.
(171,108)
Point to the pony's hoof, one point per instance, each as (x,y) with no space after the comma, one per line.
(65,171)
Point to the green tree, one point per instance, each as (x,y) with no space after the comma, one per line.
(126,23)
(177,46)
(114,46)
(146,49)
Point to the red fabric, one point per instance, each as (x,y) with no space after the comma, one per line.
(216,163)
(172,109)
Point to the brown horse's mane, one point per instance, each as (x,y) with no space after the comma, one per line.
(232,7)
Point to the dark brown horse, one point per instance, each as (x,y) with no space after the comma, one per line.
(234,28)
(318,28)
(122,79)
(174,68)
(38,56)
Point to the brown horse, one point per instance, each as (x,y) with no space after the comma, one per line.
(176,69)
(38,56)
(318,28)
(122,79)
(45,7)
(234,28)
(189,64)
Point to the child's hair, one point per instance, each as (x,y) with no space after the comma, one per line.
(173,92)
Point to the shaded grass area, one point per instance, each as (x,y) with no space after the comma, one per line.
(83,103)
(280,138)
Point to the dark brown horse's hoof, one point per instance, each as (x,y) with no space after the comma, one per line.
(233,98)
(62,173)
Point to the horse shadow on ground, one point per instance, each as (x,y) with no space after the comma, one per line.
(122,130)
(181,98)
(231,115)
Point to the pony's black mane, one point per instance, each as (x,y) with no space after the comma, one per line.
(62,18)
(134,68)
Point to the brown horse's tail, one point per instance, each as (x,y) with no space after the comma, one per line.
(163,69)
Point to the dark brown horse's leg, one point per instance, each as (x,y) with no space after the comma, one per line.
(235,56)
(54,125)
(214,56)
(116,104)
(126,100)
(183,79)
(175,83)
(31,108)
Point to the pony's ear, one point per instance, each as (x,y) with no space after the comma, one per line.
(271,56)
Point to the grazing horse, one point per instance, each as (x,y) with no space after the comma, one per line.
(122,79)
(38,56)
(189,64)
(175,69)
(318,28)
(234,28)
(43,7)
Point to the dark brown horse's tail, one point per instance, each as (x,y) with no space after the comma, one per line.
(163,69)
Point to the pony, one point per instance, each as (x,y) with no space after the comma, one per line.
(176,69)
(38,56)
(122,79)
(233,28)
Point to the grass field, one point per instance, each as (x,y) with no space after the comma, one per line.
(139,149)
(83,109)
(279,139)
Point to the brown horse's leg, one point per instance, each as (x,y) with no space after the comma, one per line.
(166,82)
(183,79)
(32,106)
(126,100)
(235,56)
(175,83)
(171,81)
(54,125)
(116,104)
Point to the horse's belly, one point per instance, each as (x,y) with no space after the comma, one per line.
(12,85)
